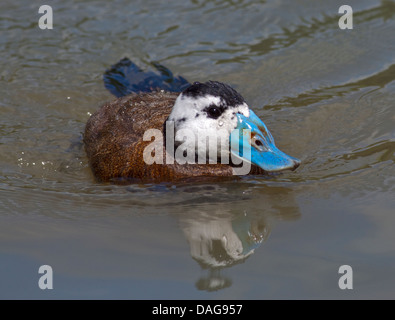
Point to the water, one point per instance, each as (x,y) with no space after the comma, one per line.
(327,95)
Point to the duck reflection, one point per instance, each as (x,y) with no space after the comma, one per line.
(223,242)
(232,231)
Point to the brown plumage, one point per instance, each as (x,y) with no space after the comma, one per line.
(114,143)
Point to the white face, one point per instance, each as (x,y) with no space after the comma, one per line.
(211,121)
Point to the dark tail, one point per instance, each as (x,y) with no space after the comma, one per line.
(125,77)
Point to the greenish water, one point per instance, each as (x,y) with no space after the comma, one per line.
(327,95)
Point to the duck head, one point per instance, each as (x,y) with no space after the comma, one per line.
(214,109)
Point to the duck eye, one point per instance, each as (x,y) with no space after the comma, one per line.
(214,112)
(257,143)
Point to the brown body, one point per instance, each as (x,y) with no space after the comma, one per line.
(114,141)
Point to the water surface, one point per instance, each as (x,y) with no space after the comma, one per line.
(327,95)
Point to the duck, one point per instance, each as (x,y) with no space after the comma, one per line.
(161,128)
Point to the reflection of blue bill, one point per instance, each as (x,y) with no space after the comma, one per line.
(250,241)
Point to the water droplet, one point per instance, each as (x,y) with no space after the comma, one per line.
(221,123)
